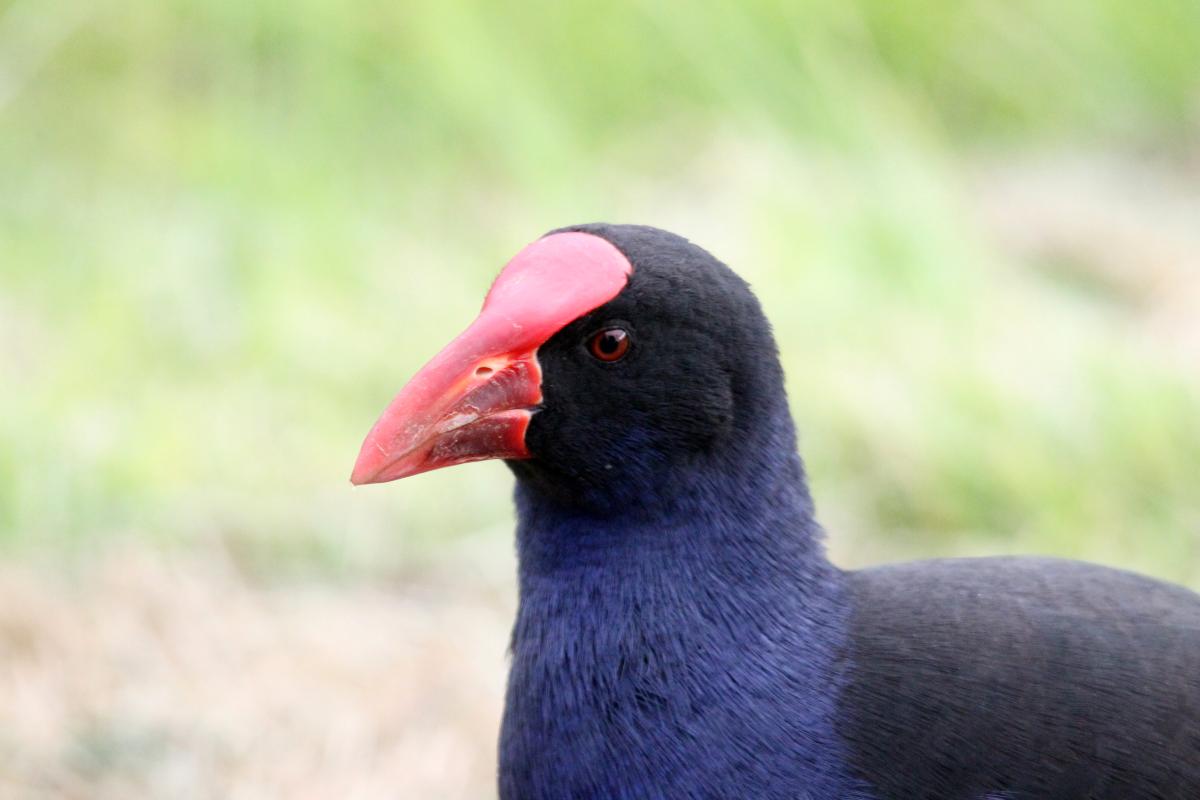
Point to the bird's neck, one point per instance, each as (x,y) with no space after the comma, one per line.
(739,513)
(653,630)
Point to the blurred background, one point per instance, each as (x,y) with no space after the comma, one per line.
(230,230)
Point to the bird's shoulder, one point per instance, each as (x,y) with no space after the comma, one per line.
(1016,591)
(981,670)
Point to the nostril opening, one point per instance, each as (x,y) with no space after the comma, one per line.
(483,372)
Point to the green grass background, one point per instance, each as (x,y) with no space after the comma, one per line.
(230,230)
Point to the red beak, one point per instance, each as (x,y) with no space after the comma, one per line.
(475,399)
(467,404)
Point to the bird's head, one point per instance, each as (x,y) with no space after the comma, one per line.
(607,359)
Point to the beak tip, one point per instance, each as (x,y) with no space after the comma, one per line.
(368,466)
(374,466)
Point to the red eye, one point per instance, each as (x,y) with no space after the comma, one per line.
(610,344)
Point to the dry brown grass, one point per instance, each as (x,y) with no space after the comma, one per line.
(149,676)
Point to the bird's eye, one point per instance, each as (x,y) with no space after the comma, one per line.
(610,344)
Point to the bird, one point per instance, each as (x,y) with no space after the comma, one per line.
(680,631)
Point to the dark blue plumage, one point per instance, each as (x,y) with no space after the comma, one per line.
(681,633)
(683,650)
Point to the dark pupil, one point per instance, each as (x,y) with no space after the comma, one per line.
(611,341)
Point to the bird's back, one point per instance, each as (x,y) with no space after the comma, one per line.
(1023,678)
